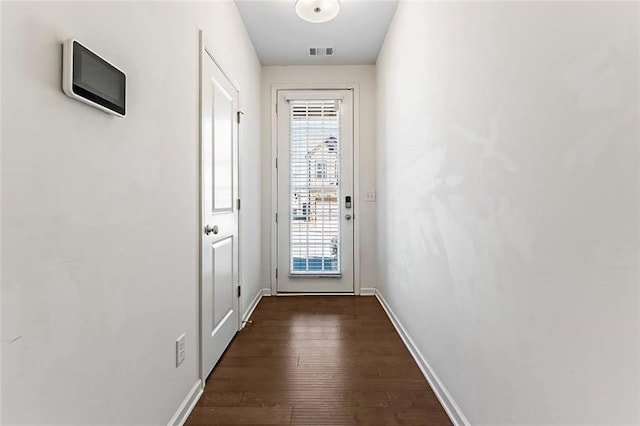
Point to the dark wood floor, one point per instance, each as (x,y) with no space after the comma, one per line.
(318,360)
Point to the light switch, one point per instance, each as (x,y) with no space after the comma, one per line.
(370,196)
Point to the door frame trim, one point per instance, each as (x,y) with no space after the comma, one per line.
(206,48)
(355,88)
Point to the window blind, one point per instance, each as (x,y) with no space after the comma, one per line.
(314,187)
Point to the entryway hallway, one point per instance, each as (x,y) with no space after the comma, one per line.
(318,360)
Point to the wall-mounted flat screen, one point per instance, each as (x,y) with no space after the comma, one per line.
(89,78)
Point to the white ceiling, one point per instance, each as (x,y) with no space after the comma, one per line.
(282,38)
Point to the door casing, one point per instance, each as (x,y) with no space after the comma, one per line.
(355,88)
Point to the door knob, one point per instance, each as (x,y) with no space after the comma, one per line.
(347,216)
(208,229)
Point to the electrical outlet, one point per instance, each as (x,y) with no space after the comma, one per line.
(180,350)
(370,196)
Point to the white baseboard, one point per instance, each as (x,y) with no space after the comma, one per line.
(367,291)
(194,395)
(253,305)
(449,405)
(187,405)
(313,294)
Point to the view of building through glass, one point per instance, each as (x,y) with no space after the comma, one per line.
(314,187)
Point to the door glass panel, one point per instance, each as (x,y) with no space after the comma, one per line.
(314,187)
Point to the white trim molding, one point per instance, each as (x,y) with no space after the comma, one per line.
(314,294)
(367,291)
(252,306)
(273,131)
(182,413)
(446,400)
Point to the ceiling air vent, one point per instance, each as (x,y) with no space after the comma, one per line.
(321,51)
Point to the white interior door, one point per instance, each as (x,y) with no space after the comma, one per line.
(219,255)
(315,191)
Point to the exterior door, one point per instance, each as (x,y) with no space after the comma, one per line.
(219,251)
(315,191)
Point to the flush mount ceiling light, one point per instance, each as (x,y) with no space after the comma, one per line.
(317,11)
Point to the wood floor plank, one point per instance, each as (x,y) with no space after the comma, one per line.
(330,360)
(405,398)
(286,333)
(213,384)
(314,347)
(240,415)
(387,335)
(316,397)
(299,330)
(304,371)
(221,399)
(406,371)
(360,360)
(258,361)
(340,415)
(322,382)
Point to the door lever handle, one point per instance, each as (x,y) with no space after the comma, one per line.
(208,229)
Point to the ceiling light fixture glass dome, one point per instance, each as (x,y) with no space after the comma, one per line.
(317,11)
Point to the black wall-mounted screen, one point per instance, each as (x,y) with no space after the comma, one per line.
(98,81)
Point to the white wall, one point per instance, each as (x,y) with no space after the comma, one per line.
(100,215)
(311,76)
(508,208)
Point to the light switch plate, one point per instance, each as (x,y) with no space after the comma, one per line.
(370,196)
